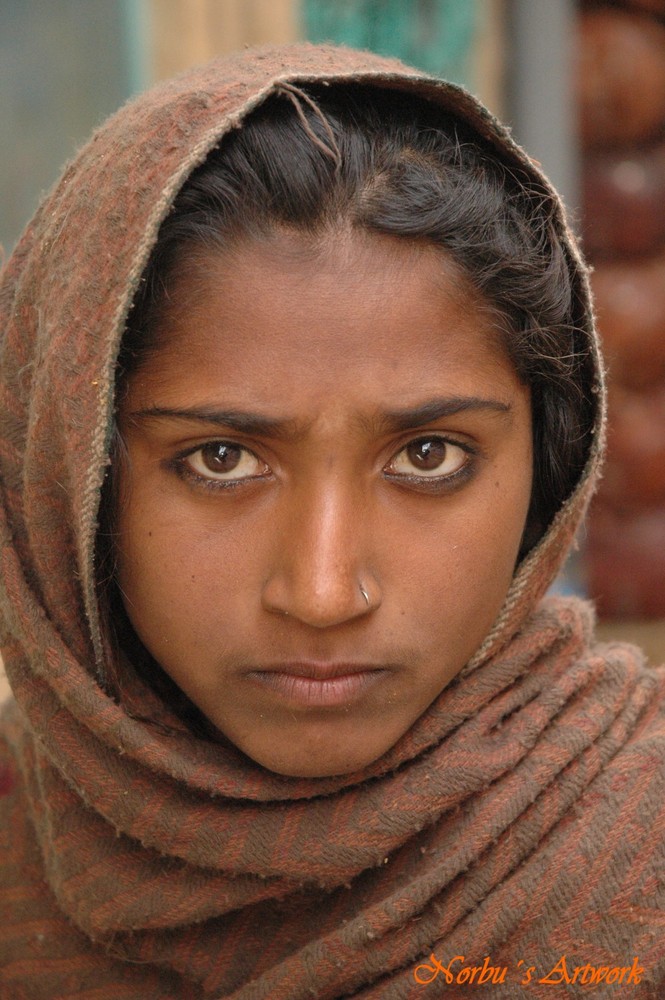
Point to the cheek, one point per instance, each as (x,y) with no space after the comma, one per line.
(459,566)
(461,577)
(180,581)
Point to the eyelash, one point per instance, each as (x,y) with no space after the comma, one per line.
(425,484)
(183,469)
(436,484)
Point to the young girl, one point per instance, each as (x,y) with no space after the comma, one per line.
(302,407)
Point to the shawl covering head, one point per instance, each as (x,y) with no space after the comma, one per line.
(165,865)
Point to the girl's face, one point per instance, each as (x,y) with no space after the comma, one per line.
(328,478)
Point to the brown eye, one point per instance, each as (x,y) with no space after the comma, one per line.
(427,455)
(225,460)
(220,457)
(432,457)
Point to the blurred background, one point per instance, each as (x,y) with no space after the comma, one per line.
(582,84)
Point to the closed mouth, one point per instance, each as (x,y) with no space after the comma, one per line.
(318,684)
(319,670)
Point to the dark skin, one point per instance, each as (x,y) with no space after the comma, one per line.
(329,475)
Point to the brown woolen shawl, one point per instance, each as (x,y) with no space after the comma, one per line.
(518,818)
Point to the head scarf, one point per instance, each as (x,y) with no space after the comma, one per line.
(185,868)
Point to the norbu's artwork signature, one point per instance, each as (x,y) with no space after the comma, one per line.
(455,971)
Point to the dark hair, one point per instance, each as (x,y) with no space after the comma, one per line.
(390,163)
(386,162)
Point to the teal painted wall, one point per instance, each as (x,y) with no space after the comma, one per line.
(434,35)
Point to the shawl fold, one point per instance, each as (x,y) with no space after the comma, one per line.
(520,818)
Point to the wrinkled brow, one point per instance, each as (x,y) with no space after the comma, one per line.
(434,409)
(260,425)
(238,420)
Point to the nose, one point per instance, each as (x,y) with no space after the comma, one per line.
(320,572)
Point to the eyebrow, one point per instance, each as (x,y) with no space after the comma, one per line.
(434,409)
(258,424)
(239,420)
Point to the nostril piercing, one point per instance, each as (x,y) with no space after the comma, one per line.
(365,594)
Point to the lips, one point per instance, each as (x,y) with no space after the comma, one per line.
(317,684)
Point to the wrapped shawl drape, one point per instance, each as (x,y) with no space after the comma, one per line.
(520,820)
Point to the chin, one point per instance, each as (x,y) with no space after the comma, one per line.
(327,766)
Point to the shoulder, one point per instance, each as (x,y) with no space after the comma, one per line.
(43,955)
(28,919)
(591,892)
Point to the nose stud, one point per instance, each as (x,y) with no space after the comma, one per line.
(361,588)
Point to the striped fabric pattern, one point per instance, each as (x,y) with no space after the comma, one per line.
(520,820)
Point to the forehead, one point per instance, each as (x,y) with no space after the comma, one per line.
(267,318)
